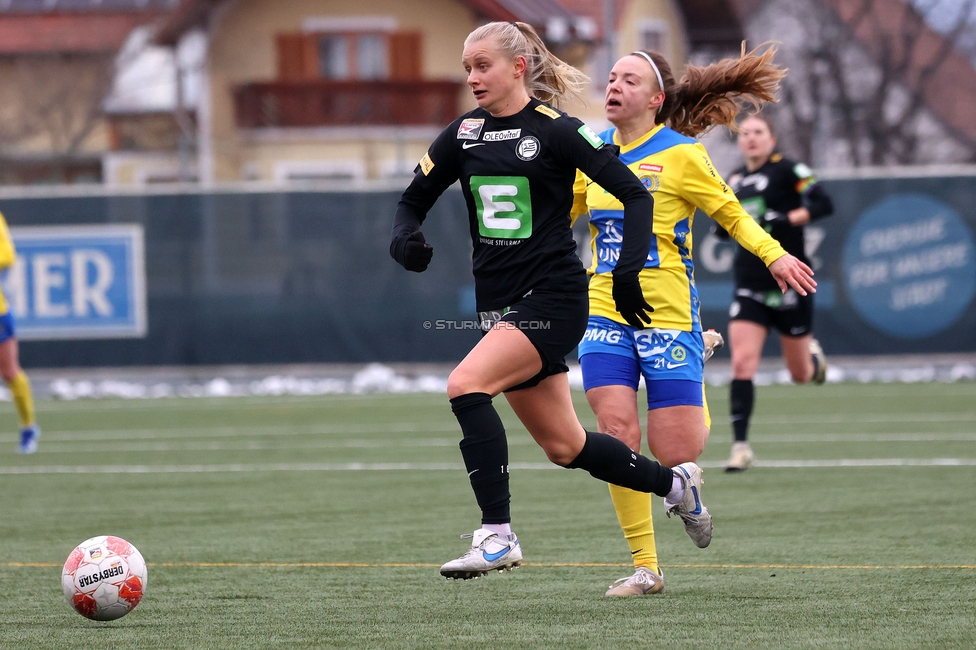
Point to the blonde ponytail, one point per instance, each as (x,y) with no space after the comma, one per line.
(547,78)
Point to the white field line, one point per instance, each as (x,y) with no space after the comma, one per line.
(833,391)
(827,392)
(456,467)
(202,432)
(197,432)
(863,462)
(209,403)
(865,418)
(203,445)
(790,438)
(65,445)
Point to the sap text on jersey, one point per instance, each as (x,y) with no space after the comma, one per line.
(653,343)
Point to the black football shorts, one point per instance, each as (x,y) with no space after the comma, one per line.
(553,321)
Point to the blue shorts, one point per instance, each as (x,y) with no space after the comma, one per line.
(671,361)
(7,327)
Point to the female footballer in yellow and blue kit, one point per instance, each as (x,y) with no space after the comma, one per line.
(642,100)
(10,369)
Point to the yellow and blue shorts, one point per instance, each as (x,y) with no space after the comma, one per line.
(7,330)
(671,361)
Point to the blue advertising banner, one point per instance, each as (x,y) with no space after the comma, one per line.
(78,282)
(895,263)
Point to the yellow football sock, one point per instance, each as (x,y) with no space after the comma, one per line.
(634,514)
(21,389)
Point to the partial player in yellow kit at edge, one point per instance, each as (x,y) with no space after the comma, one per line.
(10,369)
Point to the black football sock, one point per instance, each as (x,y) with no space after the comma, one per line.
(741,398)
(485,452)
(610,460)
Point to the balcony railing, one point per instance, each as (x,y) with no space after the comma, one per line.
(345,103)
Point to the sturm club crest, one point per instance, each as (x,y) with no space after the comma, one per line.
(527,148)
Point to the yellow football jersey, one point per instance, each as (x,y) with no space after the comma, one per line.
(7,257)
(676,169)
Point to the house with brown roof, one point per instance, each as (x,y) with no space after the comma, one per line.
(310,90)
(56,65)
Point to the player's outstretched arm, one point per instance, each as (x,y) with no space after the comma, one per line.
(788,272)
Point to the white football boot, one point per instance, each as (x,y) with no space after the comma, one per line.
(691,510)
(817,353)
(712,341)
(643,583)
(741,459)
(488,552)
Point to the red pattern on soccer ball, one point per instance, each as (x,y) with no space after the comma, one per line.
(85,605)
(71,565)
(131,591)
(118,546)
(106,561)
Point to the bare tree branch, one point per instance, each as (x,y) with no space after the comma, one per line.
(870,75)
(55,105)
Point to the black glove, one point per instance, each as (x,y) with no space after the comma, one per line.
(417,252)
(629,300)
(772,216)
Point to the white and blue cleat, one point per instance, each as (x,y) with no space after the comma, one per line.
(691,510)
(28,439)
(488,552)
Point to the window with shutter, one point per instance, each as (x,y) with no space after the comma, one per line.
(298,57)
(350,55)
(406,61)
(291,51)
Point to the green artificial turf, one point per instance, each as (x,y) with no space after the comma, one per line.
(320,522)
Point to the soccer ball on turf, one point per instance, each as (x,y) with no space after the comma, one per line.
(104,578)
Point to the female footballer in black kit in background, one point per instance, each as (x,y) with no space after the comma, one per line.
(783,196)
(516,159)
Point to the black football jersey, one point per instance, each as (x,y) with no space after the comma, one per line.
(779,186)
(516,174)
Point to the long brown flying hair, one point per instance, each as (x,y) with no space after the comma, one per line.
(713,95)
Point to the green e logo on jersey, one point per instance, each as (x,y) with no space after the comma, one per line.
(504,206)
(590,136)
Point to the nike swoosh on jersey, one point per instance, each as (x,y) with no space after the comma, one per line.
(468,145)
(672,366)
(491,557)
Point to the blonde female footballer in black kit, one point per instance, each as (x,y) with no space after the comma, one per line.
(516,158)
